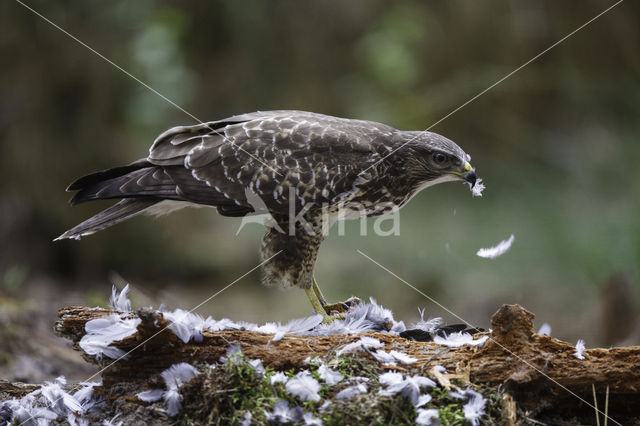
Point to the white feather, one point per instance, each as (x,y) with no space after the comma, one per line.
(304,387)
(282,414)
(258,368)
(185,325)
(112,422)
(476,190)
(384,357)
(246,420)
(278,377)
(498,250)
(172,398)
(431,325)
(402,357)
(150,395)
(178,374)
(580,348)
(423,400)
(455,340)
(545,330)
(352,391)
(330,376)
(408,387)
(295,326)
(428,417)
(310,420)
(101,332)
(474,408)
(365,343)
(120,302)
(390,378)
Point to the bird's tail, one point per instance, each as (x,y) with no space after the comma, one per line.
(124,210)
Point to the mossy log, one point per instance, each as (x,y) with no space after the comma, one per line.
(540,372)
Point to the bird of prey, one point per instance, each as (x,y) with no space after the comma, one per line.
(307,169)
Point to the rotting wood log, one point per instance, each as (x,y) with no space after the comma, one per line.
(540,372)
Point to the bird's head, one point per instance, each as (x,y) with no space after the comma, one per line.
(432,158)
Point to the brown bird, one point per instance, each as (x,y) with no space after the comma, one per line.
(306,170)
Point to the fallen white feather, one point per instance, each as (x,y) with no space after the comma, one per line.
(112,422)
(173,400)
(48,403)
(408,387)
(101,332)
(498,250)
(352,391)
(84,395)
(381,319)
(365,343)
(304,387)
(384,357)
(174,377)
(150,395)
(179,374)
(57,398)
(185,325)
(282,414)
(330,376)
(278,377)
(349,325)
(440,369)
(310,420)
(24,410)
(325,405)
(120,302)
(428,417)
(402,357)
(458,339)
(392,357)
(474,408)
(247,419)
(423,400)
(580,348)
(431,325)
(312,361)
(545,330)
(390,378)
(295,326)
(223,324)
(257,367)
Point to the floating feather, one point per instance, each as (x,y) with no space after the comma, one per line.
(498,250)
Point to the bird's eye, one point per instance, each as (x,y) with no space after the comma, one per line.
(439,158)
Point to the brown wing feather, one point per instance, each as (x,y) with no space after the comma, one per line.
(316,157)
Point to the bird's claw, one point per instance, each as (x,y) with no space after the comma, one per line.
(328,319)
(341,307)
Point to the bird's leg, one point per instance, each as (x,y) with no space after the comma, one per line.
(334,307)
(317,305)
(318,292)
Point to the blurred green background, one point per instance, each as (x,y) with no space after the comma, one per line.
(556,144)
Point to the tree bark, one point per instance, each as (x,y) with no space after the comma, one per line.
(540,372)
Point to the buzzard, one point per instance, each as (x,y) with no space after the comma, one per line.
(307,170)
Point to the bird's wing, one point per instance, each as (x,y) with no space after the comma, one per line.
(274,155)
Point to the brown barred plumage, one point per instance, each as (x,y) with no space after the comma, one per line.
(297,162)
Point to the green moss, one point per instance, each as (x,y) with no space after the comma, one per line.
(225,393)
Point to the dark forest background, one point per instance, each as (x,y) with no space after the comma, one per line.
(556,144)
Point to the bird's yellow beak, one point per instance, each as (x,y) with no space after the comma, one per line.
(468,173)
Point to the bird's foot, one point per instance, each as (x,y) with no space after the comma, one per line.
(328,319)
(341,307)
